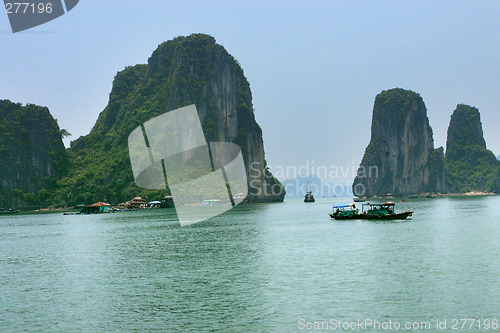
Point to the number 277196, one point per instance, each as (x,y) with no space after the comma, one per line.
(28,8)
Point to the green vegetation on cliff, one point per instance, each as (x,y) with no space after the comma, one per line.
(469,165)
(32,155)
(392,106)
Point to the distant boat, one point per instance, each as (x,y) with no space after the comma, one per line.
(167,202)
(214,202)
(240,196)
(154,204)
(309,195)
(136,203)
(9,211)
(356,199)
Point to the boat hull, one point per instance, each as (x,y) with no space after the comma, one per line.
(309,196)
(9,211)
(398,216)
(346,217)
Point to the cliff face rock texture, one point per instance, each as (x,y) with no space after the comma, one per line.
(497,182)
(32,155)
(469,165)
(400,158)
(183,71)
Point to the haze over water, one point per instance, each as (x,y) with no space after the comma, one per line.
(256,268)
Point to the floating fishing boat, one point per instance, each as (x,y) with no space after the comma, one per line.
(379,211)
(309,195)
(167,202)
(9,211)
(211,202)
(345,212)
(136,203)
(383,211)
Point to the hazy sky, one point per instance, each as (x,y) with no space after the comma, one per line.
(314,67)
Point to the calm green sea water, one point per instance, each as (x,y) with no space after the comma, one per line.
(257,268)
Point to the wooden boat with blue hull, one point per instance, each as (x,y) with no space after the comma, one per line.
(379,211)
(345,212)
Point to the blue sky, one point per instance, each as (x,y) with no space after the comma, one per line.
(314,67)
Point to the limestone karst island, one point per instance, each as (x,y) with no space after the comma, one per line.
(401,159)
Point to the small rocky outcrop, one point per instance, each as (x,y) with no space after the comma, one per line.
(400,158)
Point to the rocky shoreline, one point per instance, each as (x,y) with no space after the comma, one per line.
(432,195)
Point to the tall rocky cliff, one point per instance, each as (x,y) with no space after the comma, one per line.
(183,71)
(32,155)
(469,165)
(400,158)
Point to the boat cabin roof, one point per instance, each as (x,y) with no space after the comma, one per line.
(390,203)
(97,204)
(343,206)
